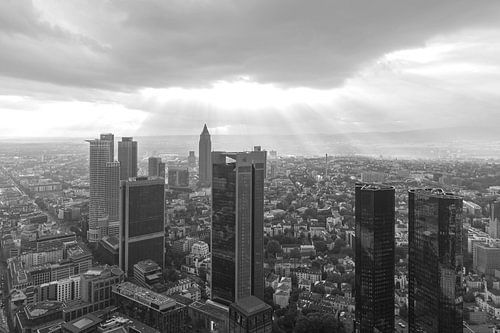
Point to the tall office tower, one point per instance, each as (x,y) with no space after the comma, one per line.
(127,156)
(494,226)
(178,177)
(142,215)
(112,194)
(205,164)
(156,168)
(237,225)
(374,249)
(191,159)
(101,153)
(435,261)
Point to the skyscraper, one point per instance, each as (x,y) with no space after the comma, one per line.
(435,261)
(101,153)
(112,194)
(142,216)
(127,156)
(156,168)
(494,226)
(191,159)
(374,279)
(237,225)
(205,163)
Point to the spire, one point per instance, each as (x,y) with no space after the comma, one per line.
(205,130)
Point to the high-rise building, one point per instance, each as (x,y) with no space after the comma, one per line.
(435,261)
(112,196)
(142,207)
(205,163)
(178,177)
(237,225)
(156,168)
(101,159)
(375,248)
(127,156)
(494,226)
(191,159)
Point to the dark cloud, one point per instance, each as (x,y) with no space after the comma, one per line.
(125,45)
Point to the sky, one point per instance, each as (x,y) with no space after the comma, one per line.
(158,67)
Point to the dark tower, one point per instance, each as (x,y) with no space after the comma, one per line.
(237,225)
(127,156)
(374,280)
(142,217)
(205,164)
(435,261)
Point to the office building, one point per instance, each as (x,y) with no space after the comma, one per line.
(147,273)
(494,226)
(204,152)
(153,309)
(250,315)
(178,178)
(374,249)
(112,195)
(100,167)
(435,261)
(191,159)
(127,156)
(156,168)
(96,284)
(237,225)
(142,222)
(486,258)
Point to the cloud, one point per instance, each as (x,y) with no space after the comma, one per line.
(125,45)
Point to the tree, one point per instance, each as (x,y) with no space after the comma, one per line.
(318,288)
(295,253)
(320,246)
(268,295)
(315,322)
(273,247)
(469,297)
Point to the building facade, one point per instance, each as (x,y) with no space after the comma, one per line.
(101,153)
(435,261)
(374,249)
(204,152)
(142,208)
(127,156)
(156,168)
(237,225)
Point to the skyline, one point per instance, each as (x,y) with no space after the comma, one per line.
(75,69)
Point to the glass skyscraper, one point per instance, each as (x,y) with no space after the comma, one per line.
(142,210)
(374,245)
(237,225)
(127,156)
(435,261)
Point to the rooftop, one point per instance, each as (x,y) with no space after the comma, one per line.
(82,323)
(144,296)
(250,305)
(147,265)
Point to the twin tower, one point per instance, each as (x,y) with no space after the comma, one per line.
(435,260)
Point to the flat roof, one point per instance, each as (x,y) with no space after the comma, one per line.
(250,305)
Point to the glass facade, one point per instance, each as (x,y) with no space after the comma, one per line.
(223,232)
(146,209)
(237,225)
(435,261)
(142,218)
(374,250)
